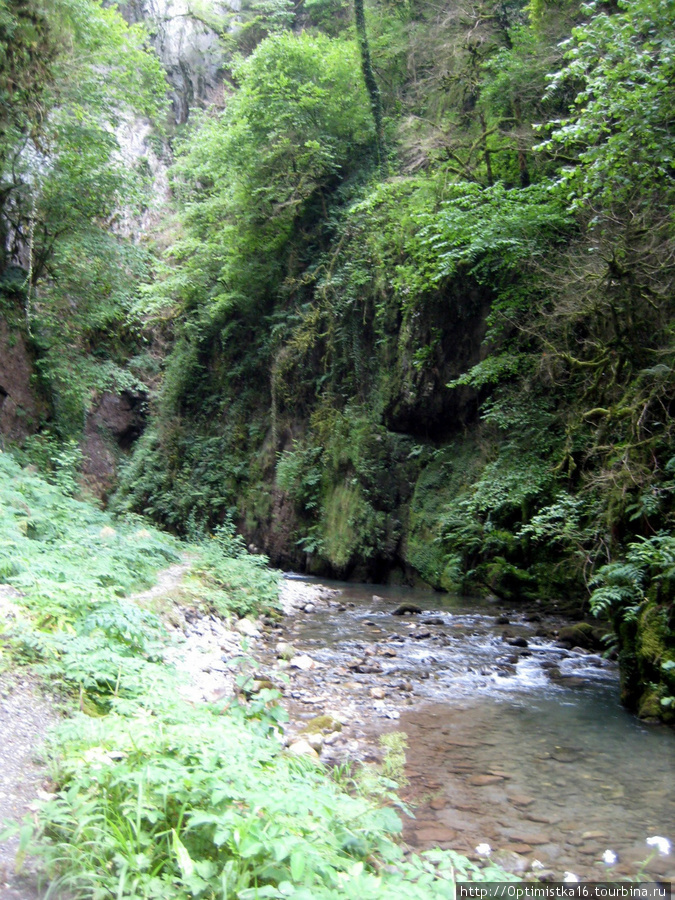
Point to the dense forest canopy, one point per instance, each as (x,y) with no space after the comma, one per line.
(408,310)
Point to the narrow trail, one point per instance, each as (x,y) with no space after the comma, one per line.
(27,715)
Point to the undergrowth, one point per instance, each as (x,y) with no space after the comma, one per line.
(153,796)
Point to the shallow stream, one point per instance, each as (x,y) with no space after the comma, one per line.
(523,747)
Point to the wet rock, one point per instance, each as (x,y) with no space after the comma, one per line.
(378,693)
(536,839)
(521,800)
(407,609)
(435,835)
(388,652)
(309,608)
(510,861)
(517,642)
(502,620)
(582,635)
(439,803)
(378,599)
(433,620)
(546,875)
(484,780)
(517,848)
(420,634)
(366,667)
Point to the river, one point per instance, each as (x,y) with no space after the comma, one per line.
(525,748)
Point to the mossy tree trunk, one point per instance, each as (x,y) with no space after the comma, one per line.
(369,78)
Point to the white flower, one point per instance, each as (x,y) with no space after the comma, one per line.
(483,849)
(570,878)
(609,857)
(662,844)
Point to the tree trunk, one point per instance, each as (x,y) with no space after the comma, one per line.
(369,78)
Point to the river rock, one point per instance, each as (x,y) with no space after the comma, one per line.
(521,800)
(303,662)
(303,748)
(309,608)
(517,848)
(518,642)
(510,861)
(433,620)
(502,620)
(324,724)
(484,780)
(378,693)
(407,609)
(435,834)
(535,839)
(247,627)
(285,650)
(583,634)
(420,634)
(315,740)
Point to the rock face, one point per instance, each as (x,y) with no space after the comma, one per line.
(189,49)
(111,428)
(19,408)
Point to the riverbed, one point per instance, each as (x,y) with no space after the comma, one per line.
(513,740)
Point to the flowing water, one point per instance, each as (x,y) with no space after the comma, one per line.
(525,748)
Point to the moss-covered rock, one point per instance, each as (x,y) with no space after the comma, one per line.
(649,706)
(647,649)
(323,724)
(584,635)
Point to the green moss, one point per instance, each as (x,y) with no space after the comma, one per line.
(435,488)
(652,636)
(322,725)
(342,508)
(650,706)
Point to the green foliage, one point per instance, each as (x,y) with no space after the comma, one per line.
(619,131)
(156,797)
(72,72)
(248,176)
(235,581)
(621,587)
(488,230)
(64,555)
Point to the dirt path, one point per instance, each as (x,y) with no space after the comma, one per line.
(27,714)
(201,647)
